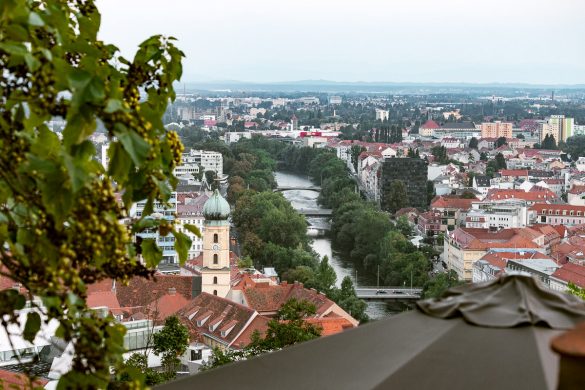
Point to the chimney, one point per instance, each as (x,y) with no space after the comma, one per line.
(172,291)
(571,348)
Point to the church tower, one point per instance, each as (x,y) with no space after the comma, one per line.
(215,273)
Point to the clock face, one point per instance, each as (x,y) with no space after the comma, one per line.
(215,247)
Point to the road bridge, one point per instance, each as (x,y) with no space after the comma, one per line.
(387,293)
(298,188)
(315,212)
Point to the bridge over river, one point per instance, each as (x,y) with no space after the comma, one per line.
(387,293)
(297,188)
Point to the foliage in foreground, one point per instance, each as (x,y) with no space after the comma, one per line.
(59,220)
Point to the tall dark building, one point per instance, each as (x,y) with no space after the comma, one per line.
(412,172)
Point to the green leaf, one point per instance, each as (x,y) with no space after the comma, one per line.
(136,147)
(113,105)
(151,253)
(14,48)
(35,20)
(33,325)
(182,245)
(193,229)
(120,162)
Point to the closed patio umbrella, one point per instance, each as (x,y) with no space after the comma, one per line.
(494,335)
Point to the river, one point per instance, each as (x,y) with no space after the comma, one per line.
(343,267)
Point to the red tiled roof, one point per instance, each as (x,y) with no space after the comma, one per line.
(531,196)
(430,124)
(104,299)
(167,305)
(330,325)
(13,380)
(266,299)
(444,202)
(243,319)
(571,273)
(538,207)
(141,292)
(514,172)
(577,190)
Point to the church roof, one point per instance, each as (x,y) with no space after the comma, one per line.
(216,208)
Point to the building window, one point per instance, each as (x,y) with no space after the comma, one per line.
(196,354)
(215,238)
(214,292)
(215,280)
(215,261)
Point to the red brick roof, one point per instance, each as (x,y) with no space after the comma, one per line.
(571,273)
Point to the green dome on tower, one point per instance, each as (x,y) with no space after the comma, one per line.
(216,208)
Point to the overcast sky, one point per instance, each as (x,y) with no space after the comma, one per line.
(531,41)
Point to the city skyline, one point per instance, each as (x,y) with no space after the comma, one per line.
(418,41)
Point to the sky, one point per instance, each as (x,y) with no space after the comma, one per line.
(501,41)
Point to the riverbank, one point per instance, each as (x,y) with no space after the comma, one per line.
(342,265)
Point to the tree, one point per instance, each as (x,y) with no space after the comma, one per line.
(473,143)
(355,152)
(325,276)
(430,191)
(403,226)
(500,161)
(501,141)
(347,299)
(548,142)
(440,283)
(172,342)
(575,146)
(137,364)
(59,226)
(576,290)
(397,197)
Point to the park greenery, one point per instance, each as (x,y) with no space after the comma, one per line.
(59,220)
(287,328)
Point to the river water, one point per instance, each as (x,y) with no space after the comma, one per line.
(322,245)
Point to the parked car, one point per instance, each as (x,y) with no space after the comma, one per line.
(381,292)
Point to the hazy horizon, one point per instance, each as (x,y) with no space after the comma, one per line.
(415,41)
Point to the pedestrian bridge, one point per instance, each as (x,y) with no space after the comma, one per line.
(298,188)
(315,212)
(387,293)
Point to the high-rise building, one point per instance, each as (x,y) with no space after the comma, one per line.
(382,115)
(496,129)
(210,161)
(335,100)
(165,243)
(215,273)
(294,121)
(412,172)
(558,126)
